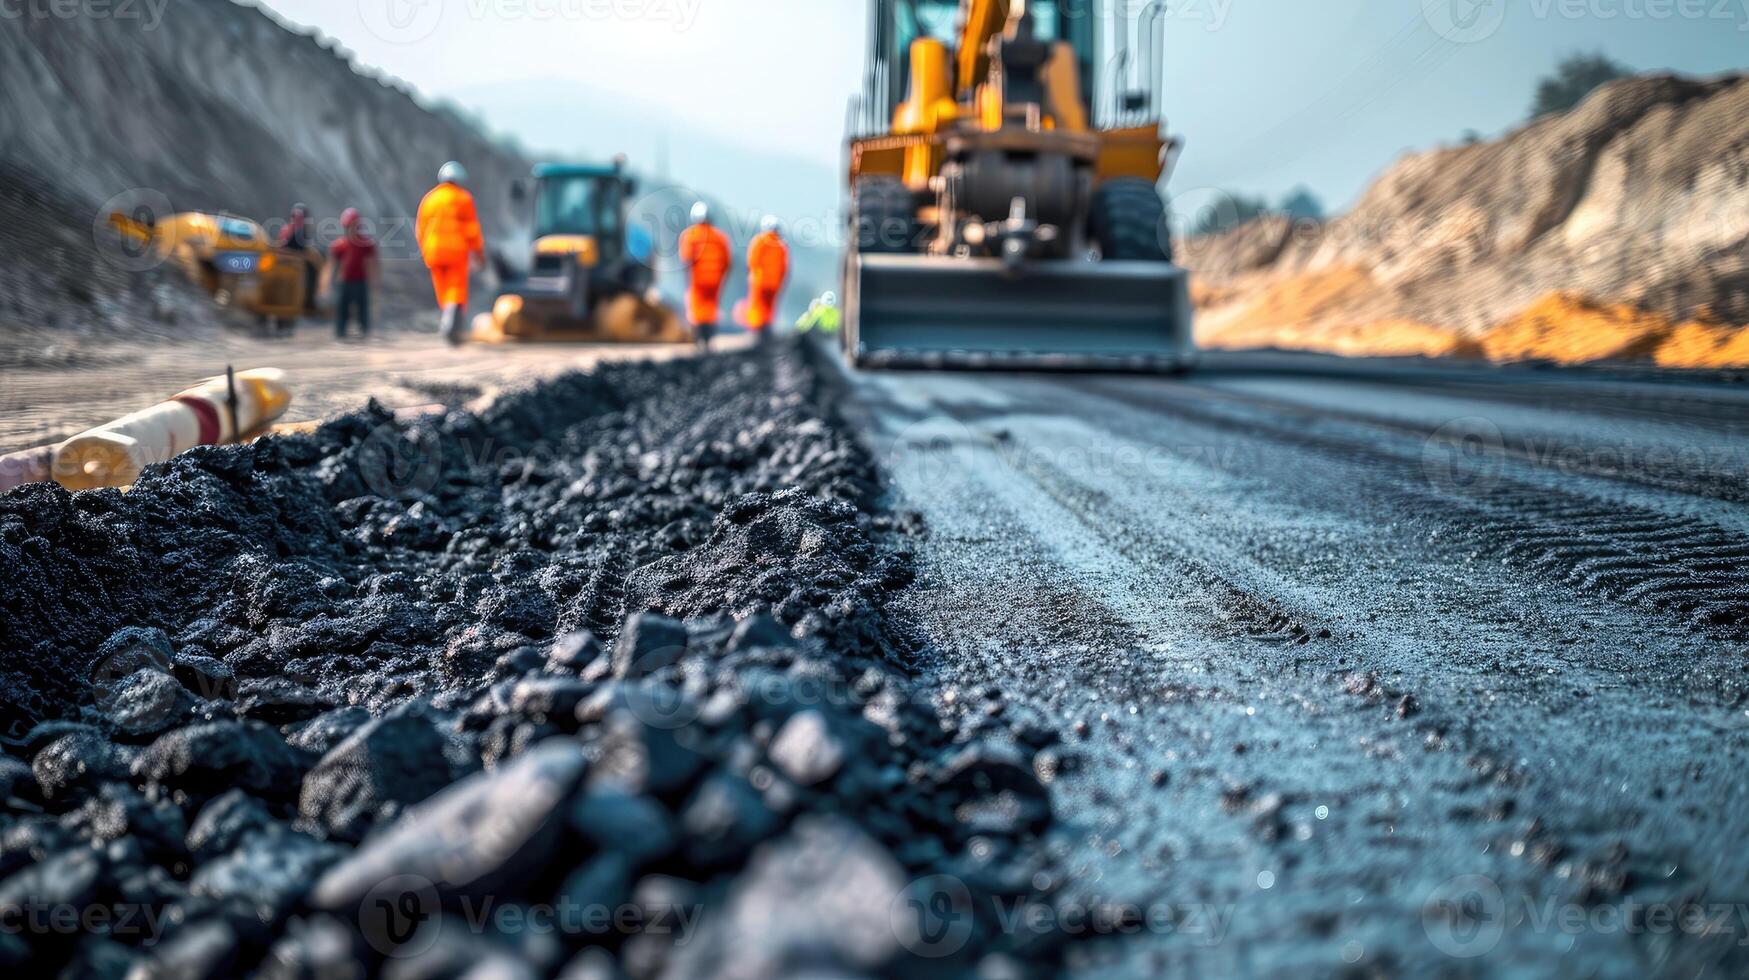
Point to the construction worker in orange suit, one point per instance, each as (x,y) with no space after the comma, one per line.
(767,269)
(706,253)
(450,240)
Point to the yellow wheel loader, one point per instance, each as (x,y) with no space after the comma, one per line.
(1005,162)
(589,278)
(232,258)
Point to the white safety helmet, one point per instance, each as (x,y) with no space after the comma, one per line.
(769,224)
(452,173)
(830,299)
(701,213)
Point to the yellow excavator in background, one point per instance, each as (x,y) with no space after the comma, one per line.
(589,278)
(1005,162)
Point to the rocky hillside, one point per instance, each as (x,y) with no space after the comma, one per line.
(217,106)
(222,107)
(1617,231)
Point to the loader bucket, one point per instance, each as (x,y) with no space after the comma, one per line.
(935,312)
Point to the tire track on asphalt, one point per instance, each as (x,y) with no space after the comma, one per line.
(1560,840)
(1675,564)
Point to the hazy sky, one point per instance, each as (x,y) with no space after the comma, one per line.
(1266,93)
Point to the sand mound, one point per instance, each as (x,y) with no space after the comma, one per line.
(1617,230)
(1569,329)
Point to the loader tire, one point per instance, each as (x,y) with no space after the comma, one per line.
(1129,221)
(886,217)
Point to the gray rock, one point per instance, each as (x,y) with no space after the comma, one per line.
(127,650)
(268,874)
(30,837)
(77,763)
(760,631)
(198,951)
(69,879)
(641,758)
(518,662)
(15,779)
(207,677)
(279,701)
(323,732)
(574,652)
(146,704)
(222,824)
(389,763)
(805,749)
(820,901)
(604,882)
(314,948)
(548,698)
(723,820)
(648,643)
(119,812)
(593,963)
(99,958)
(448,947)
(488,834)
(220,755)
(995,789)
(669,910)
(635,826)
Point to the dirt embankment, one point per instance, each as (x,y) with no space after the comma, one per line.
(1617,231)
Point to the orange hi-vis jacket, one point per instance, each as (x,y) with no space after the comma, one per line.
(767,268)
(767,261)
(449,228)
(706,253)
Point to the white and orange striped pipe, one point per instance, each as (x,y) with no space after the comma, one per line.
(113,455)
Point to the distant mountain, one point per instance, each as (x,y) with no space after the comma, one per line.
(680,164)
(573,120)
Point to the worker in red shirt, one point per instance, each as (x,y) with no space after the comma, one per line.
(353,261)
(767,269)
(706,253)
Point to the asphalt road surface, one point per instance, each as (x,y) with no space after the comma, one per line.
(1359,667)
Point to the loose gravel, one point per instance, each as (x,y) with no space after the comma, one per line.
(598,680)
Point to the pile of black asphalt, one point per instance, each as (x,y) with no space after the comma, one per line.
(601,679)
